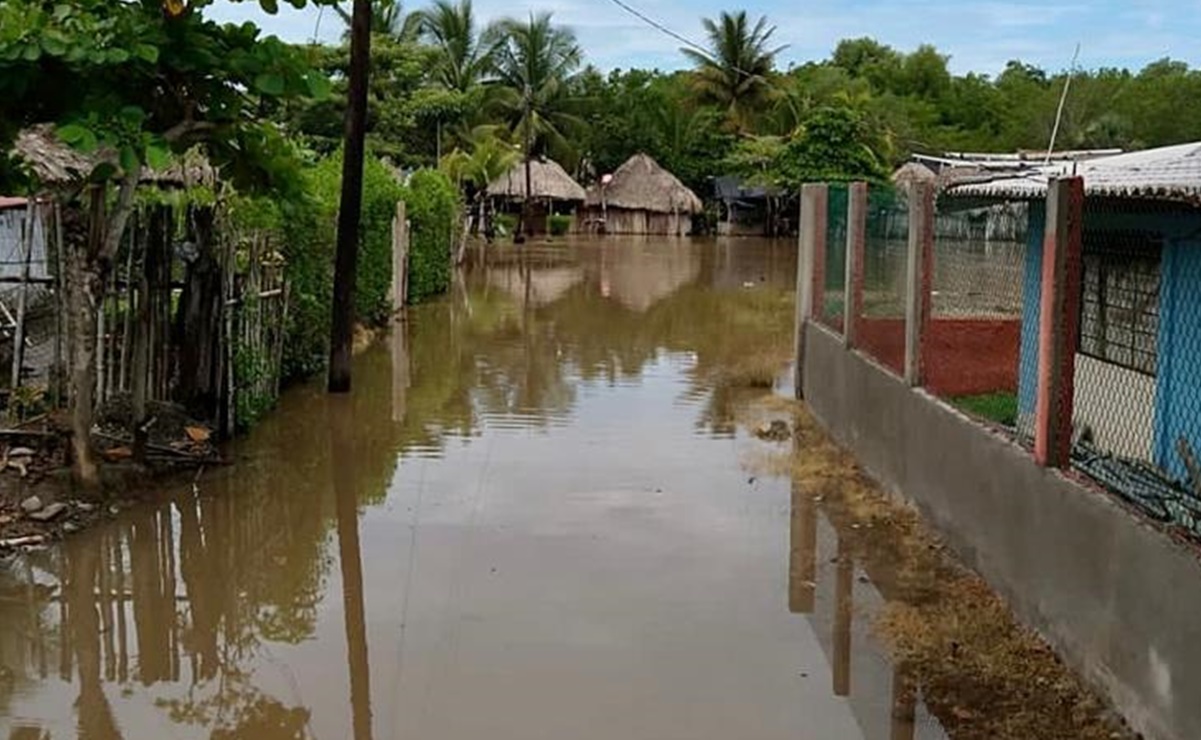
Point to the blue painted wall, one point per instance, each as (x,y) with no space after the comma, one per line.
(1032,289)
(1178,407)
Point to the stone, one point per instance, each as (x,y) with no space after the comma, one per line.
(114,510)
(777,431)
(53,511)
(85,507)
(21,452)
(5,519)
(70,528)
(31,504)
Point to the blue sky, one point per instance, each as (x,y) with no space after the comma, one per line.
(979,35)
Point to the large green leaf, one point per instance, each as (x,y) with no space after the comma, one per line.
(270,83)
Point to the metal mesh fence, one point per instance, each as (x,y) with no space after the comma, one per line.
(973,344)
(833,306)
(880,329)
(1137,399)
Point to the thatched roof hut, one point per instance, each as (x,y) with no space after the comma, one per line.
(642,185)
(548,181)
(912,173)
(54,163)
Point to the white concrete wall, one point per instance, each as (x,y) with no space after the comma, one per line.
(1118,405)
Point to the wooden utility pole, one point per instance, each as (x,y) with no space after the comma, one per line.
(349,215)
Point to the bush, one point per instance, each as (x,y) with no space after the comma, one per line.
(433,211)
(559,225)
(506,224)
(309,227)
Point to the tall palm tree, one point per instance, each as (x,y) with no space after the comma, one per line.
(465,55)
(534,64)
(387,18)
(735,73)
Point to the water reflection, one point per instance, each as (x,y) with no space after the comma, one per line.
(827,585)
(509,529)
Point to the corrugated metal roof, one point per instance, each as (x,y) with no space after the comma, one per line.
(1170,173)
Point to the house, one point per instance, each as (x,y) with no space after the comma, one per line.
(745,208)
(641,198)
(551,191)
(1138,360)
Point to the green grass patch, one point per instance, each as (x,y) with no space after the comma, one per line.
(1001,408)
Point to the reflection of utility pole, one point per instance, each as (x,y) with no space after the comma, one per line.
(844,585)
(350,210)
(341,428)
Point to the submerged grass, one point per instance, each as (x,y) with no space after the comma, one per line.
(982,673)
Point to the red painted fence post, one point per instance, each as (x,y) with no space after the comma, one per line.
(919,281)
(856,256)
(1059,322)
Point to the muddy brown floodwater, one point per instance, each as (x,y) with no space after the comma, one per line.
(543,513)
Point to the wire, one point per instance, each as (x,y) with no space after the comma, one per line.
(700,49)
(1063,99)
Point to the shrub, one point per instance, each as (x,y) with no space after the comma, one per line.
(506,224)
(433,211)
(559,225)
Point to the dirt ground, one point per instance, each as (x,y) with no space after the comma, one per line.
(946,626)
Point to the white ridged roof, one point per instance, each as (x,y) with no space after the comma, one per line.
(1171,173)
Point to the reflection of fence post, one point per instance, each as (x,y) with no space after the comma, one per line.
(844,597)
(400,262)
(809,266)
(1059,322)
(852,297)
(919,279)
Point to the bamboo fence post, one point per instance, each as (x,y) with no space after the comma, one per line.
(31,214)
(129,299)
(60,325)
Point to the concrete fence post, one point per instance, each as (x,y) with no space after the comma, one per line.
(809,267)
(400,262)
(1059,322)
(852,310)
(919,280)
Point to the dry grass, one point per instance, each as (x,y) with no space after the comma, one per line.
(983,674)
(753,370)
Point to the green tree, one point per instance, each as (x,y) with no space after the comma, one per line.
(388,18)
(735,73)
(131,82)
(465,54)
(534,65)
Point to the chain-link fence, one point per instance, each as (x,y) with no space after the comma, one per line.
(832,308)
(1137,398)
(880,327)
(973,343)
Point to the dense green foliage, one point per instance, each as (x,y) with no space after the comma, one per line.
(308,227)
(433,213)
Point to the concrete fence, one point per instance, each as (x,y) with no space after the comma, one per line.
(1115,593)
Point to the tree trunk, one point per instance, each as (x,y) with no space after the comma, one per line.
(198,330)
(85,287)
(349,215)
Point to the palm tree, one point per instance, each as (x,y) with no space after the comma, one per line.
(387,18)
(534,64)
(735,73)
(490,158)
(465,55)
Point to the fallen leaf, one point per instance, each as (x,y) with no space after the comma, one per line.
(118,454)
(198,434)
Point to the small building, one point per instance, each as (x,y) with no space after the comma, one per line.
(641,198)
(746,210)
(551,190)
(1138,358)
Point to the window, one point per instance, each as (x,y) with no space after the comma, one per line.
(1119,320)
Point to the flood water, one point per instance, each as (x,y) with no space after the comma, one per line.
(533,518)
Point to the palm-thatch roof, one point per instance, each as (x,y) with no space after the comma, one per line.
(547,181)
(912,173)
(53,163)
(642,185)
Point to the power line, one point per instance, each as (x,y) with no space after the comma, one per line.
(700,49)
